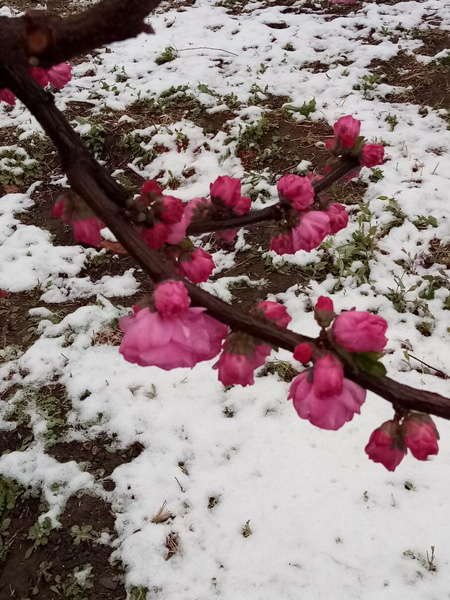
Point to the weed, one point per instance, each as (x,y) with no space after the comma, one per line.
(168,55)
(213,501)
(229,412)
(162,515)
(95,139)
(17,168)
(137,593)
(85,533)
(394,208)
(282,368)
(289,47)
(246,531)
(39,534)
(305,110)
(172,544)
(425,328)
(423,222)
(250,137)
(376,175)
(392,121)
(368,84)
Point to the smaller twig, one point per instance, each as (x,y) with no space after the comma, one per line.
(208,48)
(438,371)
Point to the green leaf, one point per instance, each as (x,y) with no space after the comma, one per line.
(368,362)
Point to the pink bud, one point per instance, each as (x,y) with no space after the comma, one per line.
(150,187)
(58,210)
(88,231)
(237,368)
(2,294)
(60,75)
(386,445)
(330,412)
(372,155)
(7,96)
(227,236)
(196,265)
(39,75)
(282,244)
(338,217)
(420,435)
(311,230)
(330,144)
(227,189)
(155,236)
(172,211)
(359,331)
(328,376)
(347,129)
(171,298)
(275,312)
(303,353)
(324,312)
(296,190)
(243,205)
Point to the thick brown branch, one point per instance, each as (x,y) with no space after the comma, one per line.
(91,181)
(48,39)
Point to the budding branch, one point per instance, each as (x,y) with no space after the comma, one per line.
(43,39)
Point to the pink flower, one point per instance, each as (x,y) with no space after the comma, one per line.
(39,75)
(359,331)
(227,189)
(328,376)
(243,205)
(311,230)
(338,217)
(171,298)
(282,244)
(58,212)
(347,129)
(386,446)
(156,236)
(420,435)
(227,236)
(151,187)
(177,231)
(7,96)
(88,231)
(275,312)
(238,368)
(2,294)
(330,412)
(184,340)
(297,190)
(330,144)
(172,211)
(193,206)
(372,155)
(60,75)
(324,311)
(196,265)
(303,353)
(352,174)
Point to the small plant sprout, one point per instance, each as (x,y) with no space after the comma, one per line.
(162,515)
(246,531)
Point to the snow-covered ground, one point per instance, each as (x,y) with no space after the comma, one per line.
(325,522)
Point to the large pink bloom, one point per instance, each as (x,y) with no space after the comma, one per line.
(182,341)
(171,298)
(228,190)
(330,412)
(385,446)
(309,233)
(338,217)
(7,96)
(372,155)
(275,312)
(156,236)
(359,331)
(297,190)
(421,436)
(196,266)
(282,244)
(88,231)
(238,369)
(172,211)
(328,376)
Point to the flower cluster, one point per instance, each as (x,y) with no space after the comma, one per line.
(166,214)
(389,443)
(322,394)
(58,76)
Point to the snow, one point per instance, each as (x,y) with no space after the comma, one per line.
(326,522)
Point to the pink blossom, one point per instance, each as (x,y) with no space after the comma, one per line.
(156,236)
(227,236)
(311,230)
(330,412)
(193,206)
(297,190)
(238,368)
(177,231)
(243,205)
(172,211)
(324,311)
(386,446)
(275,312)
(359,331)
(196,265)
(39,75)
(303,353)
(347,129)
(282,244)
(328,376)
(60,75)
(7,96)
(151,187)
(330,144)
(227,189)
(88,231)
(2,294)
(372,155)
(182,341)
(338,217)
(58,212)
(352,174)
(420,435)
(171,298)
